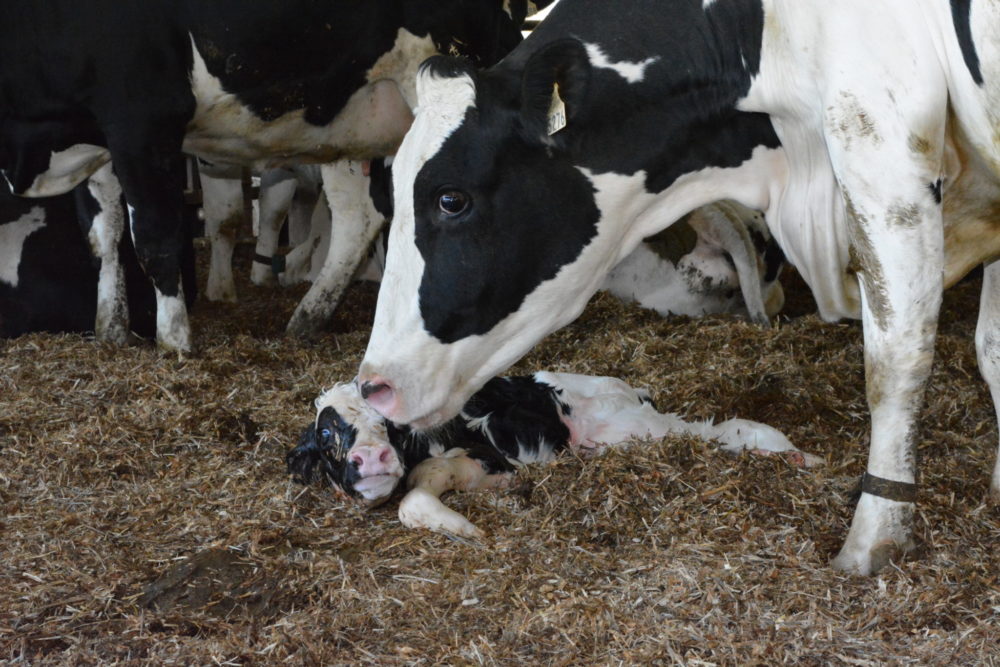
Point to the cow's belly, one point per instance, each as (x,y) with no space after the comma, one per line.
(371,124)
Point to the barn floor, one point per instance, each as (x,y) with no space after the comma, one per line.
(147,517)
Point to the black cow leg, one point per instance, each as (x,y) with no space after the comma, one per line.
(151,170)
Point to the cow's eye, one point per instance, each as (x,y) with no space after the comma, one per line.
(325,433)
(453,202)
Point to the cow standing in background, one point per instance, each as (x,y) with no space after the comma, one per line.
(134,84)
(50,262)
(875,160)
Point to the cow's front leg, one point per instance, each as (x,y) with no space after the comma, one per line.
(422,506)
(106,229)
(898,254)
(222,202)
(150,166)
(988,350)
(355,225)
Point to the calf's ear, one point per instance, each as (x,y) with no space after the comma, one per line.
(556,81)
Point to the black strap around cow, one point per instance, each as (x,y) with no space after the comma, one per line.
(277,263)
(902,492)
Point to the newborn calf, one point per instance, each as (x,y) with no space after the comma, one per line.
(511,421)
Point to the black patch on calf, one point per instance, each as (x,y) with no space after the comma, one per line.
(960,10)
(309,462)
(520,413)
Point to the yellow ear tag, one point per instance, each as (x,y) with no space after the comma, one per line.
(557,112)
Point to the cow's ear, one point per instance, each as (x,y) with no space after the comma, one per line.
(554,88)
(522,9)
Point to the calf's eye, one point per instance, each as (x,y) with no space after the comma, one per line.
(453,202)
(325,433)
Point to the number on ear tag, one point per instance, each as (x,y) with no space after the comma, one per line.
(557,112)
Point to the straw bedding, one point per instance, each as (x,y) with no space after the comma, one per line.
(147,518)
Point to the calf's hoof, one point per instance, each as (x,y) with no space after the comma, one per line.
(421,509)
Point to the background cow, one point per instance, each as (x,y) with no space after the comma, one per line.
(50,261)
(251,84)
(875,161)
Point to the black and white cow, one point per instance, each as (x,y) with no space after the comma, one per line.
(510,422)
(230,81)
(875,159)
(50,262)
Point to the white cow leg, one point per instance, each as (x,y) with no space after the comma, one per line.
(111,323)
(422,506)
(901,291)
(173,330)
(223,205)
(277,188)
(299,262)
(353,228)
(988,351)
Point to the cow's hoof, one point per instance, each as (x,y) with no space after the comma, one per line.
(881,531)
(115,333)
(263,276)
(870,562)
(221,293)
(304,327)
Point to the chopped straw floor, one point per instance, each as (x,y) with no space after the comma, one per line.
(147,518)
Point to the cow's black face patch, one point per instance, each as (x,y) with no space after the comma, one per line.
(496,215)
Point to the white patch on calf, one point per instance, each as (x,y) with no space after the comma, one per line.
(607,411)
(12,238)
(67,169)
(633,72)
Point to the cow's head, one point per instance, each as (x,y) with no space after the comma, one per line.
(348,446)
(497,238)
(517,189)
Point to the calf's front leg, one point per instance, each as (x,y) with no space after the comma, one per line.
(422,506)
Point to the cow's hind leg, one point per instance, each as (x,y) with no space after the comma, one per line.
(894,223)
(988,350)
(355,225)
(106,229)
(148,161)
(222,201)
(277,188)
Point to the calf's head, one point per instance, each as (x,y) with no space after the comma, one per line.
(348,445)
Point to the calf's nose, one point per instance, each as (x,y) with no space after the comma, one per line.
(373,460)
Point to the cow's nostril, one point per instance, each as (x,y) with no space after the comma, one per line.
(357,460)
(367,389)
(385,455)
